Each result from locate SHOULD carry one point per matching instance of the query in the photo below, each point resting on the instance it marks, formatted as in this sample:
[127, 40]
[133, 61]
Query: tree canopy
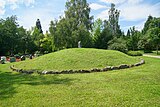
[78, 25]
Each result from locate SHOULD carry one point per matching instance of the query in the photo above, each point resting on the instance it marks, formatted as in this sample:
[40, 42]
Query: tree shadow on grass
[10, 81]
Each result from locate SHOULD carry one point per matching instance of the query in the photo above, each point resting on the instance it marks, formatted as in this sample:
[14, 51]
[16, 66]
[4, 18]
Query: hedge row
[135, 53]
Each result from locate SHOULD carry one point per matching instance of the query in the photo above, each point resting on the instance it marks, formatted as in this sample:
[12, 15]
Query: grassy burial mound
[77, 59]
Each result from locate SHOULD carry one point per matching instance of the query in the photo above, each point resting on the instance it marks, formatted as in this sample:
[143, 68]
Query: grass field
[138, 86]
[77, 59]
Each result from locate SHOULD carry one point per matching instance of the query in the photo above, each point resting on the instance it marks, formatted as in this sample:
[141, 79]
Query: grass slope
[78, 59]
[135, 87]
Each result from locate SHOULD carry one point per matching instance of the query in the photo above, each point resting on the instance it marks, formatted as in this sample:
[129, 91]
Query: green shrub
[135, 53]
[148, 51]
[118, 46]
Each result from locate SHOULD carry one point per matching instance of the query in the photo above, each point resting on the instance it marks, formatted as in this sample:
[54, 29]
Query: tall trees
[23, 39]
[74, 27]
[78, 11]
[1, 37]
[37, 35]
[147, 24]
[77, 25]
[107, 30]
[78, 21]
[52, 30]
[9, 35]
[96, 31]
[155, 37]
[10, 26]
[133, 38]
[113, 21]
[46, 43]
[151, 34]
[101, 40]
[14, 39]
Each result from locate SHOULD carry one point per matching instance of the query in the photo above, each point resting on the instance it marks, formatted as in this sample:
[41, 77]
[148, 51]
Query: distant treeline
[77, 25]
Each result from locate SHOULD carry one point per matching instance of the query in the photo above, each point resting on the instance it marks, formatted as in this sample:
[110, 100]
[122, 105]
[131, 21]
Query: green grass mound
[77, 59]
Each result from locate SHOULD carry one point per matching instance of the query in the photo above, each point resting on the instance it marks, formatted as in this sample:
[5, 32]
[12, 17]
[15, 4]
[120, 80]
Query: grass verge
[138, 86]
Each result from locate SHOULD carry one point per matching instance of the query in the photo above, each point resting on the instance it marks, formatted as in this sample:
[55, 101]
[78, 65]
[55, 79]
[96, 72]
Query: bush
[148, 51]
[135, 53]
[118, 46]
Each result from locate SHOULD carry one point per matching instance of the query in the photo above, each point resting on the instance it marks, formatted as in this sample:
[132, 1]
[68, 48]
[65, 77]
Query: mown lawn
[138, 86]
[77, 59]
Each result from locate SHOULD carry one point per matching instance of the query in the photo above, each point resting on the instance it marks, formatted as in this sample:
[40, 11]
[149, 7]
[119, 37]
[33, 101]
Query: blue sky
[133, 12]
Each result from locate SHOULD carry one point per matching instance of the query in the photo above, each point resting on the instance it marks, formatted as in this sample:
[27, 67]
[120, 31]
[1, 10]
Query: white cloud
[134, 1]
[138, 27]
[45, 13]
[13, 1]
[103, 15]
[2, 3]
[29, 17]
[2, 6]
[96, 6]
[14, 4]
[28, 2]
[2, 11]
[121, 1]
[138, 11]
[132, 10]
[113, 1]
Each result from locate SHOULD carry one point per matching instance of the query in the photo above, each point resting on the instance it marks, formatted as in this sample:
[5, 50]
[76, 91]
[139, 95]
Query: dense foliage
[135, 53]
[77, 25]
[13, 38]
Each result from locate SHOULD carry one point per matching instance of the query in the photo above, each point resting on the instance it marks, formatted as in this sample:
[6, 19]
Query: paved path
[151, 56]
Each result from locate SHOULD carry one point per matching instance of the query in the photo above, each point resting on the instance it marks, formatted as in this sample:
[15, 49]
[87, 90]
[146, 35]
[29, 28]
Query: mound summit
[76, 59]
